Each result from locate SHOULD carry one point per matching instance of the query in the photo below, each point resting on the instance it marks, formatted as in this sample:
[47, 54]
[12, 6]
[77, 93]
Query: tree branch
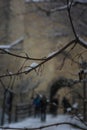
[50, 125]
[44, 61]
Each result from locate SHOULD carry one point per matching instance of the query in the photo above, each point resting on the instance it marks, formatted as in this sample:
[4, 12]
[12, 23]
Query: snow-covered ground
[36, 123]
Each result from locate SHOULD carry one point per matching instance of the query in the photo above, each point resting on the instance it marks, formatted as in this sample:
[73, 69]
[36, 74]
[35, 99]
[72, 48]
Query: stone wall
[43, 35]
[4, 20]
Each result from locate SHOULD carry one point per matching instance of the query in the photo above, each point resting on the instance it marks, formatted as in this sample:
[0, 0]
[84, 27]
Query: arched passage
[59, 84]
[59, 89]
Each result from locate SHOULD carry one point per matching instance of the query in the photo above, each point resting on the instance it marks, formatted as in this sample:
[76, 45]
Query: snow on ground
[36, 123]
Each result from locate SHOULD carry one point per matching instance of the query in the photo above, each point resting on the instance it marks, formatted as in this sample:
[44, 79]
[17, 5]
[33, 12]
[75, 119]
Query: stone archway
[61, 88]
[59, 84]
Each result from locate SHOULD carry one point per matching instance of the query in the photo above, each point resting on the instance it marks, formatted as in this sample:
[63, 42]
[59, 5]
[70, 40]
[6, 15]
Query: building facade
[43, 34]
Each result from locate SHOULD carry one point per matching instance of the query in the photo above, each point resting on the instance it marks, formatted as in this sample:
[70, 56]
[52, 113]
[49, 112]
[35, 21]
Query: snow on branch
[33, 65]
[64, 7]
[9, 46]
[81, 1]
[82, 42]
[61, 7]
[51, 54]
[70, 3]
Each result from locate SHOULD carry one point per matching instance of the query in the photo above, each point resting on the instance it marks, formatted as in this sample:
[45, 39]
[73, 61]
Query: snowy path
[36, 123]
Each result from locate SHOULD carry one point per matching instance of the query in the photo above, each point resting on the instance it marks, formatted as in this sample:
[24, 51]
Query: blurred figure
[9, 100]
[75, 108]
[37, 104]
[66, 105]
[54, 105]
[43, 108]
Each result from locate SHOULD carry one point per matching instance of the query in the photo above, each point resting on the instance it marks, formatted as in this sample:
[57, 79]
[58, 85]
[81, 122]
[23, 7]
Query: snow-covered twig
[82, 42]
[9, 46]
[60, 8]
[43, 61]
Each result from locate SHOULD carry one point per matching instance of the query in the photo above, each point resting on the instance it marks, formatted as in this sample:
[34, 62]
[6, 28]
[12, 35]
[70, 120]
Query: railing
[22, 111]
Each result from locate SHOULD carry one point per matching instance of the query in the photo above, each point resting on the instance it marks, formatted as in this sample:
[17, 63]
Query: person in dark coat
[54, 105]
[9, 100]
[36, 103]
[66, 104]
[43, 108]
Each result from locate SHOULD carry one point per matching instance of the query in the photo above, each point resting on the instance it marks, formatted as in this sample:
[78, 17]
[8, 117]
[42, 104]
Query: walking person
[43, 108]
[66, 105]
[54, 105]
[36, 104]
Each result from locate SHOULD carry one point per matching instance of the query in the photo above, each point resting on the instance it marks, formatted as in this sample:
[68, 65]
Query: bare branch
[22, 57]
[82, 42]
[10, 46]
[44, 61]
[70, 18]
[50, 125]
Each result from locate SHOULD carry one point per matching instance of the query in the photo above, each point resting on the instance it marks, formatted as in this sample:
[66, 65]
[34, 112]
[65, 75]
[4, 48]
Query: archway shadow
[58, 84]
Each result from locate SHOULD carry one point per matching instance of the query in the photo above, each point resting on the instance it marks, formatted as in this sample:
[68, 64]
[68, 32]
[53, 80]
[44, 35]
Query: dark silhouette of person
[54, 105]
[43, 108]
[66, 104]
[8, 103]
[9, 99]
[37, 103]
